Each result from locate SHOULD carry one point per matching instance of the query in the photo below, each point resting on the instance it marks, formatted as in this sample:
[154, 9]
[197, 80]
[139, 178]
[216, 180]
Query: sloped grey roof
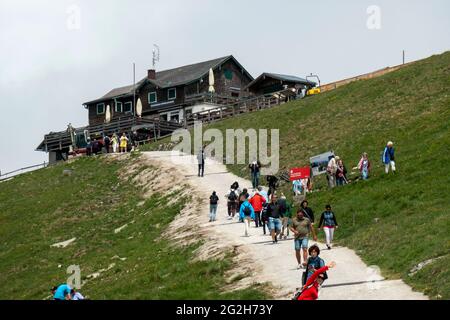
[282, 77]
[172, 77]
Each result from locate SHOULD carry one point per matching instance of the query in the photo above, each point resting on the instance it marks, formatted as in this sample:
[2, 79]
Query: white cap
[390, 143]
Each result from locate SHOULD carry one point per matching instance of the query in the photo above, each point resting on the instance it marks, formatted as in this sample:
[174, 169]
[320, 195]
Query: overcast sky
[55, 55]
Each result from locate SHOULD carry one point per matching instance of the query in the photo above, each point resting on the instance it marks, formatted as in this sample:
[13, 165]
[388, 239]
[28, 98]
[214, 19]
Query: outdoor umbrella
[108, 114]
[211, 81]
[139, 108]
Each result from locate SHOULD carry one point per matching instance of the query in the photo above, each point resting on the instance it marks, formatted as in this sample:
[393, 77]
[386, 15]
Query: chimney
[151, 74]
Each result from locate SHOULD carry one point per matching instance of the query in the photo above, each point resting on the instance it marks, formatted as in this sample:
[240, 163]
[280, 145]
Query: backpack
[247, 211]
[232, 196]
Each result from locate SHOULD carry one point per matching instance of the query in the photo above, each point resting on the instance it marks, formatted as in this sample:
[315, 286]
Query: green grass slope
[410, 107]
[44, 207]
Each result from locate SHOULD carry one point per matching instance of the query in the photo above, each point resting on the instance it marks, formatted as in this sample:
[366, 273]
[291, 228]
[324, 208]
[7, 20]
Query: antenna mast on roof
[155, 55]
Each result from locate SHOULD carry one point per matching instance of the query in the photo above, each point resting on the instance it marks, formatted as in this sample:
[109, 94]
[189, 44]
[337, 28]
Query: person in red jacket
[257, 202]
[311, 288]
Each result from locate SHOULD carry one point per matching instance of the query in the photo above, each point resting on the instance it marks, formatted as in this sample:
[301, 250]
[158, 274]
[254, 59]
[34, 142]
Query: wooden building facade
[171, 94]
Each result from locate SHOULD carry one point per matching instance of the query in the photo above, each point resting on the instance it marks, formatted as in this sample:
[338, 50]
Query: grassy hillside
[45, 207]
[410, 107]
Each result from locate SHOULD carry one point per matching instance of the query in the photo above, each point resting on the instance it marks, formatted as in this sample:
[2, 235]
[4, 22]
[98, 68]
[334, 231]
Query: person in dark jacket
[107, 142]
[307, 211]
[213, 202]
[201, 162]
[388, 157]
[272, 181]
[341, 173]
[254, 169]
[329, 222]
[273, 212]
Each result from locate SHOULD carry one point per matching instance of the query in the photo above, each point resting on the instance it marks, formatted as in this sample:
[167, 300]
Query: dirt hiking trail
[265, 262]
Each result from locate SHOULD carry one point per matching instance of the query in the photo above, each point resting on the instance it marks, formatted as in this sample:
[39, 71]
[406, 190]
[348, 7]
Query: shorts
[274, 224]
[301, 243]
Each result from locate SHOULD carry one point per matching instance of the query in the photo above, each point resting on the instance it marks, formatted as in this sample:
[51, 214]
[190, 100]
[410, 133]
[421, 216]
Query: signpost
[299, 173]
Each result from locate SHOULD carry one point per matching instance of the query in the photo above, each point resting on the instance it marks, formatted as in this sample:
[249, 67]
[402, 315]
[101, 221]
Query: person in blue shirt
[62, 292]
[247, 214]
[388, 157]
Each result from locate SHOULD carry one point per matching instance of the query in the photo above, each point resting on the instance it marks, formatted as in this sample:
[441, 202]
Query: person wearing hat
[388, 157]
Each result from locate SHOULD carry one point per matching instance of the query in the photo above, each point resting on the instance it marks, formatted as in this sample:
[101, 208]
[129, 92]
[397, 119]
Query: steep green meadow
[44, 207]
[394, 222]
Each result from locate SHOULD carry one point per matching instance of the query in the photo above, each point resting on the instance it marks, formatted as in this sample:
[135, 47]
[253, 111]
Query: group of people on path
[275, 214]
[337, 172]
[113, 143]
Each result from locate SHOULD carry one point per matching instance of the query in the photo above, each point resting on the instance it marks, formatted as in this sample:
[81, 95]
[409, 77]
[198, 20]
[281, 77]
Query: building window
[119, 106]
[172, 94]
[228, 74]
[152, 97]
[163, 116]
[127, 107]
[100, 108]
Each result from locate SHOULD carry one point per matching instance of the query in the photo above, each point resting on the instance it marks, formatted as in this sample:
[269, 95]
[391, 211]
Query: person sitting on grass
[76, 295]
[62, 292]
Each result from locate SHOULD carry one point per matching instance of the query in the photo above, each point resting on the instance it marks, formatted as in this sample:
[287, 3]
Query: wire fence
[11, 174]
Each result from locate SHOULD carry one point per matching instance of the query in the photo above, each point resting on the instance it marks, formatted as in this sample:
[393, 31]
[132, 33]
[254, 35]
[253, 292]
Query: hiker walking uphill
[307, 211]
[201, 162]
[273, 212]
[272, 181]
[388, 157]
[286, 216]
[255, 172]
[302, 228]
[310, 290]
[232, 203]
[247, 214]
[364, 166]
[242, 197]
[329, 222]
[213, 202]
[257, 202]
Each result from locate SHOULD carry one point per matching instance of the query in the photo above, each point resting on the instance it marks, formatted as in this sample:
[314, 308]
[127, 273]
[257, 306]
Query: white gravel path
[351, 279]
